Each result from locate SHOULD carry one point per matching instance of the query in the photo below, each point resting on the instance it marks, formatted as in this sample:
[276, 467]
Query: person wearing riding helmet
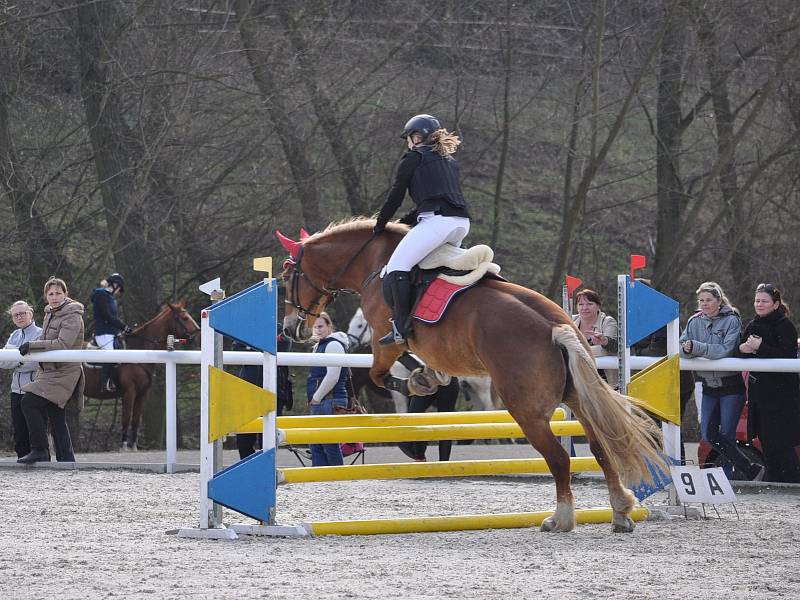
[430, 175]
[107, 324]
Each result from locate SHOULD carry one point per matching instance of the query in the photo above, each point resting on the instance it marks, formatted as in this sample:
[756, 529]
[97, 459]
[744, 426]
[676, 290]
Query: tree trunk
[504, 134]
[274, 102]
[669, 139]
[39, 246]
[574, 220]
[117, 159]
[327, 114]
[737, 226]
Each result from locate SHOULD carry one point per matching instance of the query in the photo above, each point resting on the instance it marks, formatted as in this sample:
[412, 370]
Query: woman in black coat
[774, 398]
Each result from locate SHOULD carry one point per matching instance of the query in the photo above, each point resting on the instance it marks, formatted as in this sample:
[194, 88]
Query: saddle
[445, 273]
[92, 345]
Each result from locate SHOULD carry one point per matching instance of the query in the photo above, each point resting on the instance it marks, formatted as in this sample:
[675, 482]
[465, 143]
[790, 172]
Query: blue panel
[645, 489]
[250, 316]
[248, 487]
[648, 310]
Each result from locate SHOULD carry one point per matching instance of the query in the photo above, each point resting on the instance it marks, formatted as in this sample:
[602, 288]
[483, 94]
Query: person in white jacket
[327, 387]
[21, 314]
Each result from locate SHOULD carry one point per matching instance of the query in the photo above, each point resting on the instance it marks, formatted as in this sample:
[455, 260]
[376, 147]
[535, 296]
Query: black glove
[24, 348]
[127, 330]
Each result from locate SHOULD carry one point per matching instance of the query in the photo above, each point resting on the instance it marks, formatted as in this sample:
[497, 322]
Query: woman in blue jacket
[107, 324]
[327, 387]
[713, 332]
[27, 331]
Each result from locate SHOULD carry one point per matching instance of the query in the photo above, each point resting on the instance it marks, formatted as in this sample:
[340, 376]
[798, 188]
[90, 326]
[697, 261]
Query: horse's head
[182, 325]
[359, 331]
[321, 266]
[303, 297]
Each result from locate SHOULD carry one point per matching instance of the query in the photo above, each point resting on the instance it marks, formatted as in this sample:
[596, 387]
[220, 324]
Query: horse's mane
[355, 224]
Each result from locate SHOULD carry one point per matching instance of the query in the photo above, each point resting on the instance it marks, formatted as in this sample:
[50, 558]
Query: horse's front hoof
[623, 524]
[551, 525]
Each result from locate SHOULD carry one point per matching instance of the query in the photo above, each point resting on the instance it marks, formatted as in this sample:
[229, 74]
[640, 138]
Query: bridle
[327, 292]
[357, 341]
[185, 332]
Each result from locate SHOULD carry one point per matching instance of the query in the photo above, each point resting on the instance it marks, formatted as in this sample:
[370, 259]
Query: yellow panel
[657, 389]
[233, 402]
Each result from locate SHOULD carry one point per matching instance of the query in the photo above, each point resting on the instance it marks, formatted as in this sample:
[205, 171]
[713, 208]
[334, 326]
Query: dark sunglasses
[769, 289]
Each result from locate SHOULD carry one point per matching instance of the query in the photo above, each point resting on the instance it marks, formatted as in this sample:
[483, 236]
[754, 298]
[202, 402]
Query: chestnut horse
[526, 343]
[134, 380]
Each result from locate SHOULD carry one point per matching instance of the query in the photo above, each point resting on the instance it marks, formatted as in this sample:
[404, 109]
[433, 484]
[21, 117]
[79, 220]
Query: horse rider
[430, 174]
[107, 324]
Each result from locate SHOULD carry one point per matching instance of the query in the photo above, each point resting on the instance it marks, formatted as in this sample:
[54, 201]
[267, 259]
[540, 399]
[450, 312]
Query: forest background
[167, 139]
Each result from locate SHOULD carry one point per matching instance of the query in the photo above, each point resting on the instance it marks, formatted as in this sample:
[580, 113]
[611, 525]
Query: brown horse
[526, 343]
[134, 380]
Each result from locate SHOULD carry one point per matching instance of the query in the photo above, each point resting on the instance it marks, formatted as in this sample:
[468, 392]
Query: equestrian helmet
[116, 279]
[422, 124]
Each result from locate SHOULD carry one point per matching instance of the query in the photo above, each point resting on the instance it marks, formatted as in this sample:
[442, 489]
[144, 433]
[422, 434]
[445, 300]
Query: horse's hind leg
[541, 437]
[622, 500]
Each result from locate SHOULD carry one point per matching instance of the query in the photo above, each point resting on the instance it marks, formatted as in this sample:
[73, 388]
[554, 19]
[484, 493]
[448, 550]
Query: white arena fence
[301, 359]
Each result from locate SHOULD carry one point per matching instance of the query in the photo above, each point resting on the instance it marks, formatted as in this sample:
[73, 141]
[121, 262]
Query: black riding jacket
[432, 181]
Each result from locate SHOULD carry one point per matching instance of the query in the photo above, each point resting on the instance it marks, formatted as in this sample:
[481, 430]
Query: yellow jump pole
[455, 468]
[419, 433]
[388, 420]
[457, 522]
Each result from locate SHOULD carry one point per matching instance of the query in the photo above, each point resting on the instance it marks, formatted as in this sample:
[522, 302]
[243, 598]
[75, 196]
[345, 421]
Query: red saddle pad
[432, 306]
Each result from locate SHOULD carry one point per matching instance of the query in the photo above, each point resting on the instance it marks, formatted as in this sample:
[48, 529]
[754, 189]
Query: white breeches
[430, 232]
[105, 341]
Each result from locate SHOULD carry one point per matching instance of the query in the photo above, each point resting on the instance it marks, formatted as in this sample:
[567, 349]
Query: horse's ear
[291, 246]
[303, 234]
[180, 303]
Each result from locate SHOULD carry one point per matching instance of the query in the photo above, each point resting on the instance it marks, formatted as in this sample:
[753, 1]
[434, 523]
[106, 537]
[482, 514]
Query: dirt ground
[89, 534]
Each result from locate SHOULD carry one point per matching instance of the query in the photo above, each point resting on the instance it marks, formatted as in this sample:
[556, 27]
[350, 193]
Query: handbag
[354, 406]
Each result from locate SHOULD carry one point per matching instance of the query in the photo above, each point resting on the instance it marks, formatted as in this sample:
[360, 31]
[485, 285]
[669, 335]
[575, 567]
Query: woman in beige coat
[55, 383]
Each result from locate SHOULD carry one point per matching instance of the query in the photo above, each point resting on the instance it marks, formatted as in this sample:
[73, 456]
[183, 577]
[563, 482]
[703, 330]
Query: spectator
[327, 387]
[713, 333]
[54, 384]
[774, 407]
[22, 315]
[107, 325]
[246, 442]
[599, 329]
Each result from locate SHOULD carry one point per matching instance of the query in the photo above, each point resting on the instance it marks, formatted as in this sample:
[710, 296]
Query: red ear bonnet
[291, 246]
[303, 234]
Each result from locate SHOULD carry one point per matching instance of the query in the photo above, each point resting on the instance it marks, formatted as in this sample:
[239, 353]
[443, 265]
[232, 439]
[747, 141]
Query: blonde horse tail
[627, 435]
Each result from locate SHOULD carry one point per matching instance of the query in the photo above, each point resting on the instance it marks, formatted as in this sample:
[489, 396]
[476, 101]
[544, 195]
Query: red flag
[573, 283]
[637, 262]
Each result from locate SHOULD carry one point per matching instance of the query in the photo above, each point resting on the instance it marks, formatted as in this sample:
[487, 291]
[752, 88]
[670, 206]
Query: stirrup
[109, 386]
[393, 337]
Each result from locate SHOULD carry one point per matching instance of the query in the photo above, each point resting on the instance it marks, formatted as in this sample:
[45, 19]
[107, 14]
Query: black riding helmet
[422, 124]
[116, 279]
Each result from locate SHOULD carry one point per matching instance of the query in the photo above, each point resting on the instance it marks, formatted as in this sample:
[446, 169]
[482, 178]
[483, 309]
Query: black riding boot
[397, 293]
[107, 378]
